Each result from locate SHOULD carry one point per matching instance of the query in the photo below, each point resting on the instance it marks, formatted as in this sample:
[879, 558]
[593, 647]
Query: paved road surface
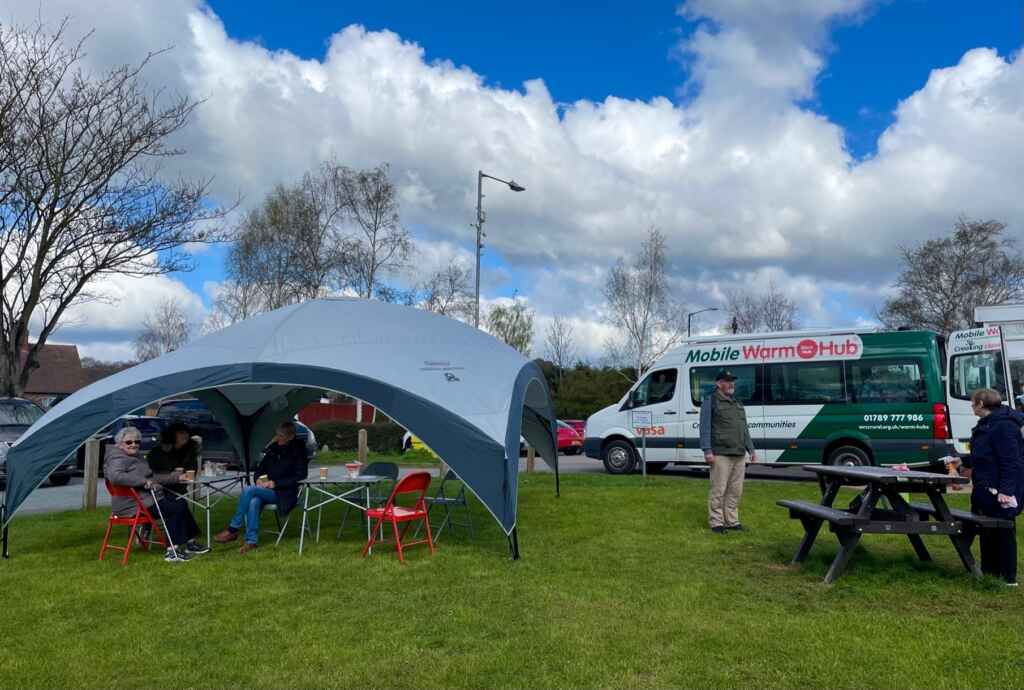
[51, 499]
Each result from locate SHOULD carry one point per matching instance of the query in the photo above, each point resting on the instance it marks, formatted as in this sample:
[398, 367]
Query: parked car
[217, 446]
[16, 416]
[569, 440]
[579, 425]
[149, 428]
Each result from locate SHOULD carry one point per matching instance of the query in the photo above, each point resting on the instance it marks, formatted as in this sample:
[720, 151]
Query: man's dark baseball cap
[724, 375]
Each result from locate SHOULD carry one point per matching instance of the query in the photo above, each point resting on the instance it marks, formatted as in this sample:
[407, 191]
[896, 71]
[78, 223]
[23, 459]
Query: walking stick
[163, 522]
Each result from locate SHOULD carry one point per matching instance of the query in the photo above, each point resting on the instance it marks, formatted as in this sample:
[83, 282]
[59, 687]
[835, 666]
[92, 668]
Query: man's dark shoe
[195, 548]
[246, 548]
[738, 527]
[225, 536]
[718, 530]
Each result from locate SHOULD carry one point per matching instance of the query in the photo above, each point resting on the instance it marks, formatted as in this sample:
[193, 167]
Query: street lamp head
[516, 187]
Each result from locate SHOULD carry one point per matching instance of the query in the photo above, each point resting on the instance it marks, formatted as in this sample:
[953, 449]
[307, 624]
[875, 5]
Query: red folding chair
[141, 517]
[415, 483]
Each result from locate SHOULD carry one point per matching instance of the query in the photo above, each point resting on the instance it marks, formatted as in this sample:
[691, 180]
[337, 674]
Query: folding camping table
[865, 516]
[202, 489]
[332, 490]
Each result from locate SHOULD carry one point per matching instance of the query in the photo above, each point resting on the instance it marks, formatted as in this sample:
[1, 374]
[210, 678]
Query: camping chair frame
[377, 498]
[141, 518]
[442, 499]
[414, 483]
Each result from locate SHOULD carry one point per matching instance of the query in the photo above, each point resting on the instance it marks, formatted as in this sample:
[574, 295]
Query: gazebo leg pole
[513, 544]
[3, 521]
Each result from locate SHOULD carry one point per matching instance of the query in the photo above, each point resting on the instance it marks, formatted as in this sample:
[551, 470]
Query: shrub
[381, 438]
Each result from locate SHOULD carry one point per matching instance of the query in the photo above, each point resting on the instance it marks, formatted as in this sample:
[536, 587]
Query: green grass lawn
[410, 458]
[620, 585]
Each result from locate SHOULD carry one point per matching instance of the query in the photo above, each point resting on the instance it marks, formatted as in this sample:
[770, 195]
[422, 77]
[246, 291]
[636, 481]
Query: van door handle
[669, 412]
[692, 412]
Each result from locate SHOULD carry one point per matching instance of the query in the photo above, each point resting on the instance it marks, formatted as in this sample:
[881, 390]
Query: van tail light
[940, 421]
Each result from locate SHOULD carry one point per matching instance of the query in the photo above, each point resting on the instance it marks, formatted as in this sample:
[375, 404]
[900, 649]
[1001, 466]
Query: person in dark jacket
[124, 467]
[996, 462]
[283, 466]
[176, 449]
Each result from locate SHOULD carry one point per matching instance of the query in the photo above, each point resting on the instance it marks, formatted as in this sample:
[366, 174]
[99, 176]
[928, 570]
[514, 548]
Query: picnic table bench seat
[816, 510]
[926, 510]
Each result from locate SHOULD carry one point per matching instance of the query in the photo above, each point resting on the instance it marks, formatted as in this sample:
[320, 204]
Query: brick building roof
[59, 371]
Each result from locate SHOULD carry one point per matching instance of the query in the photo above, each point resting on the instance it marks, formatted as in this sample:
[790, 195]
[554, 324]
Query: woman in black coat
[996, 461]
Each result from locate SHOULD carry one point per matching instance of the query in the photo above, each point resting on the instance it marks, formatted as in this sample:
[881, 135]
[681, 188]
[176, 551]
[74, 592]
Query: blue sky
[592, 50]
[629, 50]
[746, 130]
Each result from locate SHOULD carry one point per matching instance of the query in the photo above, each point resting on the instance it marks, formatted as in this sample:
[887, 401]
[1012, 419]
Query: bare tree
[560, 344]
[163, 331]
[640, 306]
[944, 279]
[512, 324]
[81, 195]
[379, 244]
[232, 302]
[767, 310]
[449, 292]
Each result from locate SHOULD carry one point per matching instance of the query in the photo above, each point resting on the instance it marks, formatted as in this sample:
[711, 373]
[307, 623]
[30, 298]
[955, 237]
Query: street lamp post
[694, 313]
[479, 225]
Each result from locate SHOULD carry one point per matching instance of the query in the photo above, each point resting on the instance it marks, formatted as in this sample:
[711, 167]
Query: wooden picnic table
[867, 515]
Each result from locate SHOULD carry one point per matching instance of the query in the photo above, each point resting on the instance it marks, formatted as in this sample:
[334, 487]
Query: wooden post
[92, 470]
[531, 456]
[363, 451]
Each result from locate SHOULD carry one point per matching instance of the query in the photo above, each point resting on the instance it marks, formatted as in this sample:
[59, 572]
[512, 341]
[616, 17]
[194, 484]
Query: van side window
[702, 383]
[886, 381]
[805, 383]
[658, 387]
[976, 370]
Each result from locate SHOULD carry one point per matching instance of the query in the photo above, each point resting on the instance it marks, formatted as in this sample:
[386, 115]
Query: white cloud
[745, 181]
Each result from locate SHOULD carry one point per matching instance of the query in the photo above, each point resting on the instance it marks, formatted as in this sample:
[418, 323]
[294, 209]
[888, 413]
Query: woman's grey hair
[989, 398]
[125, 432]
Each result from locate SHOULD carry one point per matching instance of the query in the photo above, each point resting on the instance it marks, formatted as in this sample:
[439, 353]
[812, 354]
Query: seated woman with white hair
[125, 466]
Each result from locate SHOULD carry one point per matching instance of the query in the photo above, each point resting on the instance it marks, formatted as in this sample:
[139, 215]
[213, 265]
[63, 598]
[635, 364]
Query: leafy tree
[512, 324]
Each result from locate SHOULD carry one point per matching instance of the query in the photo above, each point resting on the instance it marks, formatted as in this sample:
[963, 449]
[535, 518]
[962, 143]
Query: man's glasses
[129, 442]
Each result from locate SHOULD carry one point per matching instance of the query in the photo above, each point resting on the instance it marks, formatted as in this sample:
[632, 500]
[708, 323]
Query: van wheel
[60, 480]
[619, 458]
[848, 456]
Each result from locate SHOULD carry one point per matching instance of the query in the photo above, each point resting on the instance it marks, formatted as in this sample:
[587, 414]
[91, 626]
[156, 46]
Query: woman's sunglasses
[129, 442]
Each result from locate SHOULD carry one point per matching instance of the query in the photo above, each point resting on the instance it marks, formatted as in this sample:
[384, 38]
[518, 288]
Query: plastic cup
[190, 476]
[323, 473]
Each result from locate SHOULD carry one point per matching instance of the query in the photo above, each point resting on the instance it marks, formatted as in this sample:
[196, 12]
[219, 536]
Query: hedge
[381, 438]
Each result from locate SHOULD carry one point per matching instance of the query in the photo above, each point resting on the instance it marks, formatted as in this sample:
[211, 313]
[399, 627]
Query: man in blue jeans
[278, 476]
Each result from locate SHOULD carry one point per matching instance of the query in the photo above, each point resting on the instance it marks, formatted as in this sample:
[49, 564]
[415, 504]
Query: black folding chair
[380, 491]
[443, 500]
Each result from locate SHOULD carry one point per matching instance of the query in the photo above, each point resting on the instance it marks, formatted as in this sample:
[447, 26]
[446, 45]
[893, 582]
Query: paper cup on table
[353, 469]
[323, 473]
[190, 476]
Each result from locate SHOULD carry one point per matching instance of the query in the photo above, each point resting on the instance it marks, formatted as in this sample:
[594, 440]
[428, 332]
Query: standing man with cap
[725, 440]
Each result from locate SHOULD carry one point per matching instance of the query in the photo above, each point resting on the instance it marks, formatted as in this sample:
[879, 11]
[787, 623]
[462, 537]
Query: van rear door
[975, 358]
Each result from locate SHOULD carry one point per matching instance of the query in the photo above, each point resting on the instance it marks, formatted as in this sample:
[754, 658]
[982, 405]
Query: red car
[570, 442]
[579, 425]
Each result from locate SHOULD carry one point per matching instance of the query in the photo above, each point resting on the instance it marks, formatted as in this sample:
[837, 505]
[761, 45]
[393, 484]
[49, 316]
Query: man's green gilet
[728, 426]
